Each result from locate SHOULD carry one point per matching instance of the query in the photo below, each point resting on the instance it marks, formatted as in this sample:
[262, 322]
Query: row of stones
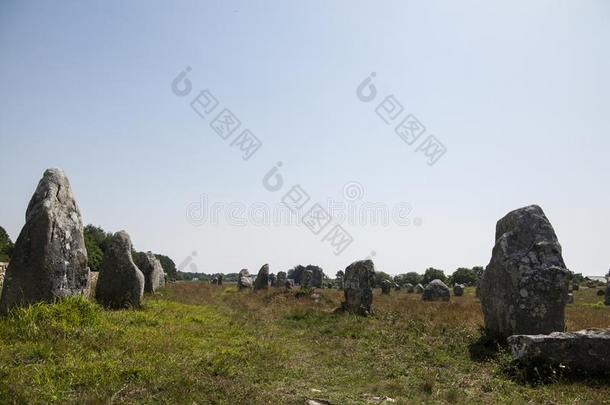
[49, 260]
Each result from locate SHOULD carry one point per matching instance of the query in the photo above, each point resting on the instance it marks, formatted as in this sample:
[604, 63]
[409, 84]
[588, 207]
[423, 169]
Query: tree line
[97, 240]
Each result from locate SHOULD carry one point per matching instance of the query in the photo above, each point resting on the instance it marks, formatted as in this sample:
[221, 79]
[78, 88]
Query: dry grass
[196, 343]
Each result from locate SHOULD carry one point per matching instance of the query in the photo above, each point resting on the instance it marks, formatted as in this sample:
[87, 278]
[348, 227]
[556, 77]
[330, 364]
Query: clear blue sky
[517, 92]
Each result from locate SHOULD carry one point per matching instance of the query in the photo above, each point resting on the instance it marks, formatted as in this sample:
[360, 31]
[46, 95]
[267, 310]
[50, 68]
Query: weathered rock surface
[280, 279]
[317, 274]
[307, 279]
[262, 279]
[607, 297]
[358, 283]
[458, 290]
[436, 290]
[289, 283]
[524, 289]
[272, 280]
[419, 288]
[150, 266]
[587, 350]
[386, 286]
[244, 280]
[49, 259]
[120, 283]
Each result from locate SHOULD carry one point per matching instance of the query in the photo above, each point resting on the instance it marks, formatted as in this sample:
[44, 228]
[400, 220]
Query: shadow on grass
[483, 349]
[536, 374]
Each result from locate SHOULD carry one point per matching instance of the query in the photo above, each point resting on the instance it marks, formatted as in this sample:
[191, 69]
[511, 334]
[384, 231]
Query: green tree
[433, 274]
[6, 246]
[464, 276]
[380, 276]
[408, 278]
[168, 265]
[96, 241]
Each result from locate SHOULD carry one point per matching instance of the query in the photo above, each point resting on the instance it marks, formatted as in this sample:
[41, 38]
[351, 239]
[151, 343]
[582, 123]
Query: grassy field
[196, 343]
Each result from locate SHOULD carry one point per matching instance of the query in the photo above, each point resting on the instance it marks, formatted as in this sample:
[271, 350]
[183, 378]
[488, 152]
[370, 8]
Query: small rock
[244, 281]
[150, 266]
[458, 290]
[436, 290]
[386, 287]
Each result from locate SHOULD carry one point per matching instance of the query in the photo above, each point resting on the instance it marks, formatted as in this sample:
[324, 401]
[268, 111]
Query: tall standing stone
[316, 276]
[244, 281]
[607, 297]
[280, 279]
[120, 283]
[262, 279]
[358, 283]
[524, 288]
[49, 259]
[154, 276]
[307, 279]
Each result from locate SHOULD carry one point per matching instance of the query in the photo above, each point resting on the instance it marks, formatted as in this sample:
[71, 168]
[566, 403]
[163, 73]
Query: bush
[433, 274]
[464, 276]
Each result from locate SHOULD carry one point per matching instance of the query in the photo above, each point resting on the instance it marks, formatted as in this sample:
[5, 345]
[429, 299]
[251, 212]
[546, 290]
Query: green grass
[195, 343]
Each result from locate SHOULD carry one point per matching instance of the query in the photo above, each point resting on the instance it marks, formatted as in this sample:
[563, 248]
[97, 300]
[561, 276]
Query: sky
[515, 95]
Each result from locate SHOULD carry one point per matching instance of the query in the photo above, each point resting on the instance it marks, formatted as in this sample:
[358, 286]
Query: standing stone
[280, 279]
[524, 288]
[316, 276]
[607, 297]
[150, 266]
[244, 280]
[458, 290]
[358, 283]
[570, 298]
[601, 292]
[262, 279]
[289, 284]
[307, 279]
[386, 286]
[436, 290]
[575, 287]
[409, 287]
[419, 288]
[49, 259]
[220, 279]
[120, 283]
[273, 280]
